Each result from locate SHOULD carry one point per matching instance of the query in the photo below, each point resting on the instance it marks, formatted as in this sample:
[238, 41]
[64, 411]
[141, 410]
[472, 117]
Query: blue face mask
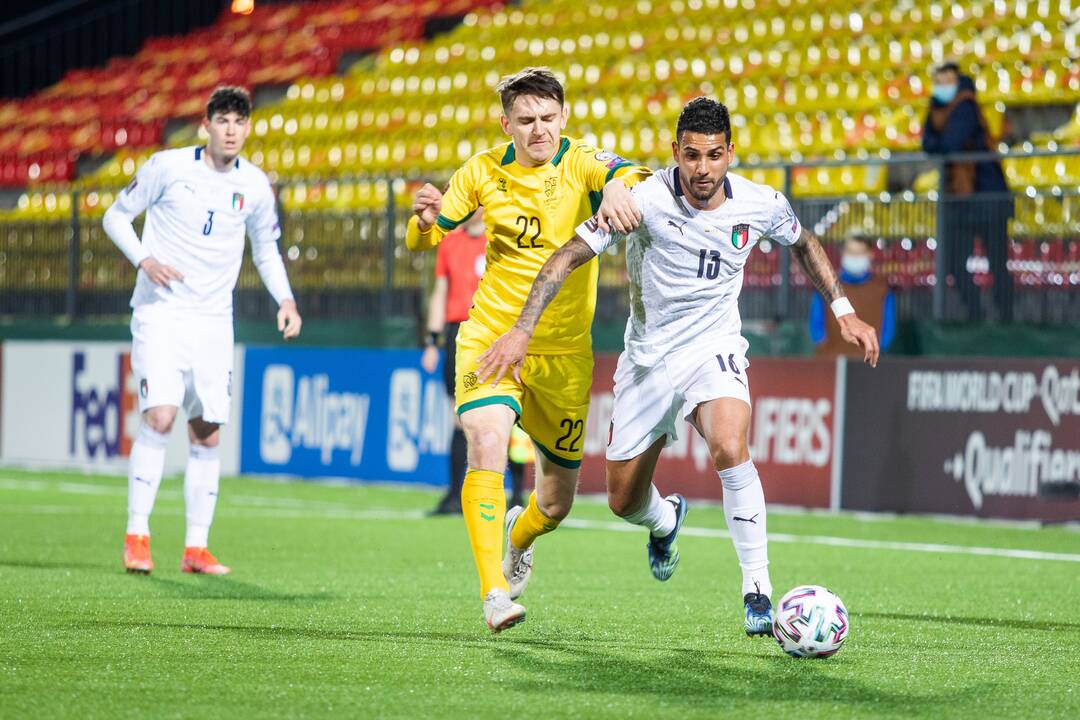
[944, 93]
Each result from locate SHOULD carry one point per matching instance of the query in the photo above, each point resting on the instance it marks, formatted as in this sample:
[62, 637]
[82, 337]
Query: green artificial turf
[345, 601]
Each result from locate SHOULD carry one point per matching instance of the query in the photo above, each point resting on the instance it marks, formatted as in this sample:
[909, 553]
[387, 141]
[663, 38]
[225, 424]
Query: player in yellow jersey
[535, 190]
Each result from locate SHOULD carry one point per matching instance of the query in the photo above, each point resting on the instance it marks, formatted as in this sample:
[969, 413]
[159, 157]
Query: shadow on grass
[696, 678]
[218, 588]
[687, 677]
[194, 588]
[1047, 625]
[51, 565]
[426, 637]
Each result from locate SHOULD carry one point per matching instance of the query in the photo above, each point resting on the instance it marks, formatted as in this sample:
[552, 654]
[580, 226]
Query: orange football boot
[137, 554]
[200, 560]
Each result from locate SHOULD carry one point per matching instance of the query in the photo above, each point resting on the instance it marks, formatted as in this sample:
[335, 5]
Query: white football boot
[501, 612]
[517, 564]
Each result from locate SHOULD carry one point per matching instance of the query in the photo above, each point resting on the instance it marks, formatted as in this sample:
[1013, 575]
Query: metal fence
[1005, 257]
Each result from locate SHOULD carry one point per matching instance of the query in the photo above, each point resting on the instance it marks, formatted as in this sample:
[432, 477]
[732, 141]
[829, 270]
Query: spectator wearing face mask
[955, 124]
[869, 294]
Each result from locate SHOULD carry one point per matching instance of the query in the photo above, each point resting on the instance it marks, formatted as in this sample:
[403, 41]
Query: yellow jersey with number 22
[528, 214]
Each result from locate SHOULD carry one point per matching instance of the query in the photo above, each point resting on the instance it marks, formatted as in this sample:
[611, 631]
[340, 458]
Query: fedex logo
[104, 413]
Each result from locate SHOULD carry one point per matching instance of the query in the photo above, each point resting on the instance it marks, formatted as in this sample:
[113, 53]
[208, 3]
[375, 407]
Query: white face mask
[855, 264]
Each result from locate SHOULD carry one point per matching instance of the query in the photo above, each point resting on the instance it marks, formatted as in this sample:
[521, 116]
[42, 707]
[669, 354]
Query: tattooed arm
[508, 351]
[815, 263]
[549, 280]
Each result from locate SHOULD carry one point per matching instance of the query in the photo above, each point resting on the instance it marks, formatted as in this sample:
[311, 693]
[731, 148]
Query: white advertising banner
[75, 405]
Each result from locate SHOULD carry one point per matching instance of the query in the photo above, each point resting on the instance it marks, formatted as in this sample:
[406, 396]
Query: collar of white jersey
[678, 184]
[199, 151]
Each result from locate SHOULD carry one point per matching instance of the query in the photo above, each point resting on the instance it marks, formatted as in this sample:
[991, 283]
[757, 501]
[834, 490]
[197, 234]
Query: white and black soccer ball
[810, 621]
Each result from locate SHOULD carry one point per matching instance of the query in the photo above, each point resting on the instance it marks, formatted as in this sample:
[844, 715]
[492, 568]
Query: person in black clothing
[955, 124]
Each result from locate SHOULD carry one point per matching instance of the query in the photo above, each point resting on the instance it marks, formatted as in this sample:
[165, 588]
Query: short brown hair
[227, 99]
[535, 81]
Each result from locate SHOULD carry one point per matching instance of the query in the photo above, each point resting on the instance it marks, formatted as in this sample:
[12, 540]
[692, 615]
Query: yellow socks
[530, 525]
[483, 502]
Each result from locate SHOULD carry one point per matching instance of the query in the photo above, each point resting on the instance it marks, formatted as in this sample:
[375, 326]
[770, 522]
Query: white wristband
[841, 307]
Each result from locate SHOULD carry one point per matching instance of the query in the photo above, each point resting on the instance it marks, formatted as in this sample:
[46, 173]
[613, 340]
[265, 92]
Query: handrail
[887, 158]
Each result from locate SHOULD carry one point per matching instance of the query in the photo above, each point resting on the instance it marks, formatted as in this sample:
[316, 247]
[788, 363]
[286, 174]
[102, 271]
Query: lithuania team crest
[237, 201]
[740, 235]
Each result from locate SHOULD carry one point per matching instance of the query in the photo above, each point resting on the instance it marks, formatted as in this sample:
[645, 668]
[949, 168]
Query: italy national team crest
[740, 235]
[237, 201]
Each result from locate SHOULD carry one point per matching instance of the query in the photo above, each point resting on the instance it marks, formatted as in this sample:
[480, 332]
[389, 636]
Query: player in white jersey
[199, 203]
[684, 355]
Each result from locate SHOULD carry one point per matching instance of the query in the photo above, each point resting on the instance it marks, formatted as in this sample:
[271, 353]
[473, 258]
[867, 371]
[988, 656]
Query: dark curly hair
[227, 99]
[704, 115]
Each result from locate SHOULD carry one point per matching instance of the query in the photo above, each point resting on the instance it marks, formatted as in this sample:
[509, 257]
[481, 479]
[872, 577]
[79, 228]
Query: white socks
[744, 510]
[658, 515]
[200, 493]
[200, 485]
[145, 468]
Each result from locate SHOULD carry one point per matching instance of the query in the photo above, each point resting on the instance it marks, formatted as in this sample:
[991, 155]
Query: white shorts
[650, 401]
[184, 362]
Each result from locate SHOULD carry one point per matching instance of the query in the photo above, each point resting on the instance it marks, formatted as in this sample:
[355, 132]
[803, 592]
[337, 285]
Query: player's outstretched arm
[815, 263]
[509, 350]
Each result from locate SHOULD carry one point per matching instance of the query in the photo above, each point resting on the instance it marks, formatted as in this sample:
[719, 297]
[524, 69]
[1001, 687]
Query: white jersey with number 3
[196, 220]
[686, 265]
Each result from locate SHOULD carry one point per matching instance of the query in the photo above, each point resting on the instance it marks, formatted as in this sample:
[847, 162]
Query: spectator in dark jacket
[955, 124]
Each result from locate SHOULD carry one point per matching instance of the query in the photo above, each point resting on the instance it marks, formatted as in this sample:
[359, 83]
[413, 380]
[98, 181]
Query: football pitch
[347, 601]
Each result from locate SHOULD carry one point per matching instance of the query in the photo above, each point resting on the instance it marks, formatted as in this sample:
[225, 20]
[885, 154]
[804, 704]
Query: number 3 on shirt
[209, 222]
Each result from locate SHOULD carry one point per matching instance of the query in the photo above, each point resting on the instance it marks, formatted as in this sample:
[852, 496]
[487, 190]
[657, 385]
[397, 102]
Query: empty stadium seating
[803, 79]
[126, 103]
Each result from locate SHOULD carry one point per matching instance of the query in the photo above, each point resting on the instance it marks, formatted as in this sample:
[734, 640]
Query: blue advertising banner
[364, 414]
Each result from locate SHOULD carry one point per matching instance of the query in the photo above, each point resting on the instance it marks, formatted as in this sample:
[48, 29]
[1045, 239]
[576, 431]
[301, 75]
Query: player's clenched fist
[427, 205]
[160, 273]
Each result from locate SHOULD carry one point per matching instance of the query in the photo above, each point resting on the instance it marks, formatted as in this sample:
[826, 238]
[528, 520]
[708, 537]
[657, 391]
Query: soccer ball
[810, 621]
